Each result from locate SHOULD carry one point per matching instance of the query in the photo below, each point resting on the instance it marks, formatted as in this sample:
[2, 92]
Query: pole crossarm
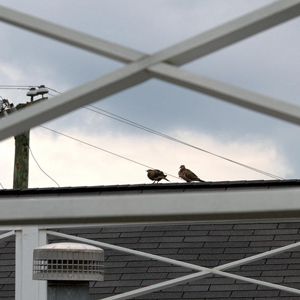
[141, 67]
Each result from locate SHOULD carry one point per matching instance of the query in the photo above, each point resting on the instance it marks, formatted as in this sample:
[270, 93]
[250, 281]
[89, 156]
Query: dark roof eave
[155, 188]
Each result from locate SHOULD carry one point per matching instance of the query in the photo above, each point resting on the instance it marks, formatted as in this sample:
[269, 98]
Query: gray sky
[267, 63]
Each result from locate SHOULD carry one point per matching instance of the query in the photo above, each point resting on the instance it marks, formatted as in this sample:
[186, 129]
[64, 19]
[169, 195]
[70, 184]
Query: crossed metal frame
[140, 67]
[163, 65]
[24, 288]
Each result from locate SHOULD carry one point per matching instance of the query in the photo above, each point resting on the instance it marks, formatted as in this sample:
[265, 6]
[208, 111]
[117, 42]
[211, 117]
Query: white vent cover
[68, 261]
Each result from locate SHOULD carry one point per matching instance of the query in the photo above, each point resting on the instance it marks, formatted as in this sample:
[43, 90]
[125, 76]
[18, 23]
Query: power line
[142, 127]
[1, 185]
[96, 147]
[53, 90]
[137, 125]
[41, 168]
[13, 88]
[17, 86]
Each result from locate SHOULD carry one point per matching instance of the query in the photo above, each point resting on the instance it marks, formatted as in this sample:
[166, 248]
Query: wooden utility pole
[21, 165]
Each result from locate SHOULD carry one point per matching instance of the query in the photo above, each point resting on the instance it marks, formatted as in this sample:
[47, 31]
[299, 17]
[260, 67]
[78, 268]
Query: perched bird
[156, 175]
[188, 175]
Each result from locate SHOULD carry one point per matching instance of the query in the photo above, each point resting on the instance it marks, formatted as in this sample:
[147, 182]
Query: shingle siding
[202, 244]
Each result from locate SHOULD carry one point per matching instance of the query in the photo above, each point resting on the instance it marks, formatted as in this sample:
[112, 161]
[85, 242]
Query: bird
[156, 175]
[188, 175]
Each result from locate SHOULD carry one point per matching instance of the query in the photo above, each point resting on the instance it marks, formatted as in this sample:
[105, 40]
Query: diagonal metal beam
[257, 282]
[7, 235]
[259, 256]
[129, 251]
[159, 286]
[181, 53]
[127, 76]
[69, 36]
[204, 271]
[227, 92]
[92, 91]
[231, 32]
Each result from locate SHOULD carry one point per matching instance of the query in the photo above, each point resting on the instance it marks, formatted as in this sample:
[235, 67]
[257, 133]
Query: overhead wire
[142, 127]
[13, 88]
[16, 86]
[104, 150]
[137, 125]
[41, 168]
[78, 140]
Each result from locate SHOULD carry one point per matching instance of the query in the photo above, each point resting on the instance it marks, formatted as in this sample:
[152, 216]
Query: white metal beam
[7, 235]
[204, 271]
[134, 73]
[68, 35]
[257, 282]
[183, 52]
[259, 256]
[92, 91]
[159, 286]
[204, 206]
[232, 94]
[27, 240]
[231, 32]
[129, 251]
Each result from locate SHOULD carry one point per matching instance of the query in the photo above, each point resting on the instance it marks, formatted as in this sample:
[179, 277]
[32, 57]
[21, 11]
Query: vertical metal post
[26, 240]
[21, 165]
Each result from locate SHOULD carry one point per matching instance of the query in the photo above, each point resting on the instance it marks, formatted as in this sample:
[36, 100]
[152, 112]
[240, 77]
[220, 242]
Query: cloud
[12, 73]
[74, 164]
[265, 63]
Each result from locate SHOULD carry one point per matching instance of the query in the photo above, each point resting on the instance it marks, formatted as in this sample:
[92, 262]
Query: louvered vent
[68, 261]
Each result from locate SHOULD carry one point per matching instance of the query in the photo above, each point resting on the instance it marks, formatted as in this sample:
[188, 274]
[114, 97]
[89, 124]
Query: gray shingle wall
[7, 270]
[207, 245]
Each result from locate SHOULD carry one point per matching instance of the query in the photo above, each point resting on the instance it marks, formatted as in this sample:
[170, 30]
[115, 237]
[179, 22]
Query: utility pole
[21, 163]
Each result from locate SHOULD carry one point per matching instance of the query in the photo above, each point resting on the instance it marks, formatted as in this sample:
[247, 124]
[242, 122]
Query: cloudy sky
[266, 63]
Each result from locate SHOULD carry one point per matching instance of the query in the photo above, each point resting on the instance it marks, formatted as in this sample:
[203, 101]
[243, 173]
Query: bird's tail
[165, 177]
